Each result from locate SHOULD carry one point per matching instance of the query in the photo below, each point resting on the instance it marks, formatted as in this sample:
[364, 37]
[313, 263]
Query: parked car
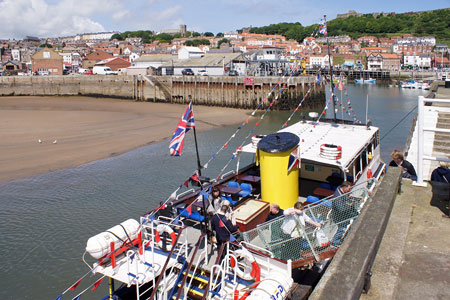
[88, 72]
[66, 72]
[103, 71]
[187, 72]
[233, 73]
[202, 73]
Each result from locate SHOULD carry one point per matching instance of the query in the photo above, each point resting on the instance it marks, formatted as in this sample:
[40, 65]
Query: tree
[219, 34]
[223, 41]
[117, 36]
[46, 45]
[195, 34]
[208, 33]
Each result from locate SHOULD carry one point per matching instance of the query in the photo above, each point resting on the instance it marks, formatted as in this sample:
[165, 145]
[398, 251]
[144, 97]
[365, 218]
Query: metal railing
[420, 137]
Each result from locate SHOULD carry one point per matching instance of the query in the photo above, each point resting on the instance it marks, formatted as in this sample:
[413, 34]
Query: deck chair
[246, 190]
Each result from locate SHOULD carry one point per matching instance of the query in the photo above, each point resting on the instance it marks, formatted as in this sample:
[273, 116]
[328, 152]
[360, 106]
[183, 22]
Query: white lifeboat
[330, 151]
[100, 245]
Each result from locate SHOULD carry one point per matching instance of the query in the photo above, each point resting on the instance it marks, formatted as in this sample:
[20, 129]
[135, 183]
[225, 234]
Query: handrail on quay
[420, 139]
[348, 275]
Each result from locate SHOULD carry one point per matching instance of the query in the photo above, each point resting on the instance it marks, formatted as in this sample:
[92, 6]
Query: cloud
[38, 18]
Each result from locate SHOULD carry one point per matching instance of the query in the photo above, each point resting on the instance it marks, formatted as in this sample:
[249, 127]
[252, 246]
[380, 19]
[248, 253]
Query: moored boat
[365, 81]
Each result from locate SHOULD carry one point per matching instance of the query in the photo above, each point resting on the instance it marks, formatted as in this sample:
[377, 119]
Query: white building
[319, 61]
[15, 53]
[190, 52]
[421, 60]
[67, 58]
[98, 35]
[269, 53]
[231, 35]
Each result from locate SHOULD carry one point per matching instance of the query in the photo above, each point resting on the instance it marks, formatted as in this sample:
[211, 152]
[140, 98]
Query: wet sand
[77, 130]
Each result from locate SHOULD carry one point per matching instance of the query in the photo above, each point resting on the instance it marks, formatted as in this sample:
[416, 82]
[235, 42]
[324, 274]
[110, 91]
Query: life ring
[253, 273]
[330, 151]
[160, 229]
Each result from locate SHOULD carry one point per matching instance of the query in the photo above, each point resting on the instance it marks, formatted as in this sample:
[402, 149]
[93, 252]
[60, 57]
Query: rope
[398, 123]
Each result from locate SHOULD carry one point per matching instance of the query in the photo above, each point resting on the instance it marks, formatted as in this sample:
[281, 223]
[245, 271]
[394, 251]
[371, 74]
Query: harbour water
[45, 220]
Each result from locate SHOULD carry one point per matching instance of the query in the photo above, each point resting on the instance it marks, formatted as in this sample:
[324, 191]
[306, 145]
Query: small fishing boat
[366, 81]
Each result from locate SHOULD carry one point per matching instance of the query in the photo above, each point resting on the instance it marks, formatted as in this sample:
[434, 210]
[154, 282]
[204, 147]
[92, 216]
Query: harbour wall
[348, 275]
[238, 92]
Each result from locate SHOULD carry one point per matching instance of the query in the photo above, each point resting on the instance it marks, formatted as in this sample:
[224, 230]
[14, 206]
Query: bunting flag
[189, 209]
[195, 177]
[232, 238]
[59, 297]
[221, 223]
[97, 283]
[75, 285]
[77, 298]
[293, 159]
[186, 183]
[318, 78]
[341, 85]
[186, 123]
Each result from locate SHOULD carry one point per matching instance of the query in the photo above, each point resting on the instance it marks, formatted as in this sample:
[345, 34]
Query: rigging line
[398, 123]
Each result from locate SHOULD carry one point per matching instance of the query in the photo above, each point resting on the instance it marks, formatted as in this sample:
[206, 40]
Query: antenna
[331, 71]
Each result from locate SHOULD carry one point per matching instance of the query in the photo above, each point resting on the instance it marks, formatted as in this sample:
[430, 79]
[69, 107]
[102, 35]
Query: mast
[331, 71]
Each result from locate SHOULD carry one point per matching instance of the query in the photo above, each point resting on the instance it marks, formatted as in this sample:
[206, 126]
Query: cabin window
[309, 168]
[357, 164]
[364, 159]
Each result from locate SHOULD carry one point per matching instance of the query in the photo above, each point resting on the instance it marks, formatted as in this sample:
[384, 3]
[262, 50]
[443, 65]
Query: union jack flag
[186, 123]
[293, 159]
[323, 30]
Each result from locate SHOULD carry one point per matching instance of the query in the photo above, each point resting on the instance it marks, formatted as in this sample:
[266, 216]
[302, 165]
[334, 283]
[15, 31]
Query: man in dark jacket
[275, 212]
[441, 173]
[398, 160]
[223, 226]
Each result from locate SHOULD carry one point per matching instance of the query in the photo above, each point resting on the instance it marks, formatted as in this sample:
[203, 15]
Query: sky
[57, 18]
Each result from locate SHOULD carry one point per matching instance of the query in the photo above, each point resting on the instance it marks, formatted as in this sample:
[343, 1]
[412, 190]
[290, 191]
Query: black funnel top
[278, 142]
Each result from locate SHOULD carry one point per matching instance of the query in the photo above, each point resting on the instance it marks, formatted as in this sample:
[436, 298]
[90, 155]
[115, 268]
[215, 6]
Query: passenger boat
[366, 81]
[168, 255]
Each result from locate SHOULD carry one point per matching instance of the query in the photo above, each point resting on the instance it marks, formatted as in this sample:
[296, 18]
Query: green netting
[290, 238]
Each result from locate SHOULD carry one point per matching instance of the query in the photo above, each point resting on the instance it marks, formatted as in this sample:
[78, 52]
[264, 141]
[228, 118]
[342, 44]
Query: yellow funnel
[278, 185]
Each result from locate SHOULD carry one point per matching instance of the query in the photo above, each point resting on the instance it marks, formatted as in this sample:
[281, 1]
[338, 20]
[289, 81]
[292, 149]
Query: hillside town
[232, 53]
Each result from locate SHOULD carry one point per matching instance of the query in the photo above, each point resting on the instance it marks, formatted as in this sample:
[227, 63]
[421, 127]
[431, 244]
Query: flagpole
[331, 70]
[198, 156]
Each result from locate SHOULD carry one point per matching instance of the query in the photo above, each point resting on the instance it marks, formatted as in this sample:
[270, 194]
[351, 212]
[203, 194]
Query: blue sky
[51, 18]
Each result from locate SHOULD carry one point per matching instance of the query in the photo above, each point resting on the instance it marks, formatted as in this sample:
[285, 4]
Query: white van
[103, 71]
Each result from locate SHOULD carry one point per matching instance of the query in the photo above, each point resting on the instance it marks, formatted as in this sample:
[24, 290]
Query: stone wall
[203, 90]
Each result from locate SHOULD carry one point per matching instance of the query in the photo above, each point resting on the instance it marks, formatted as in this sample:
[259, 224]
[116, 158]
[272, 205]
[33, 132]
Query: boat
[168, 255]
[365, 81]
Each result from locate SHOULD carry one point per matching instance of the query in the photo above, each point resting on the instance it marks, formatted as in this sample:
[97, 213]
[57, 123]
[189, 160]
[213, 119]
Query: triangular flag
[195, 177]
[232, 238]
[96, 284]
[75, 285]
[225, 146]
[189, 209]
[221, 223]
[176, 221]
[186, 183]
[77, 298]
[59, 297]
[163, 206]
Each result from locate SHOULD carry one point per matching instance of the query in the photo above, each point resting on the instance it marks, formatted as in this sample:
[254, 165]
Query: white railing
[420, 137]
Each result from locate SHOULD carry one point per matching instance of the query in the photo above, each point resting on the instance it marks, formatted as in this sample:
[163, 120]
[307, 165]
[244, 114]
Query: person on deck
[440, 182]
[441, 173]
[216, 202]
[398, 160]
[275, 212]
[223, 226]
[296, 213]
[343, 209]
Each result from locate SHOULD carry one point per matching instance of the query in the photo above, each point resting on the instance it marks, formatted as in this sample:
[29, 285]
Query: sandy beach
[77, 130]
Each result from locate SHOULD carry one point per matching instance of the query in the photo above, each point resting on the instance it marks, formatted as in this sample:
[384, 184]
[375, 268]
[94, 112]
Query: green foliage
[208, 33]
[222, 41]
[117, 36]
[145, 35]
[188, 34]
[163, 38]
[219, 34]
[46, 45]
[195, 34]
[197, 42]
[434, 23]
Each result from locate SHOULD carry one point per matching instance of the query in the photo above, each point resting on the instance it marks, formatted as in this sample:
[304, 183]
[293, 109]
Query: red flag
[189, 209]
[75, 285]
[257, 123]
[221, 223]
[163, 206]
[246, 121]
[225, 146]
[96, 284]
[341, 86]
[195, 178]
[186, 183]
